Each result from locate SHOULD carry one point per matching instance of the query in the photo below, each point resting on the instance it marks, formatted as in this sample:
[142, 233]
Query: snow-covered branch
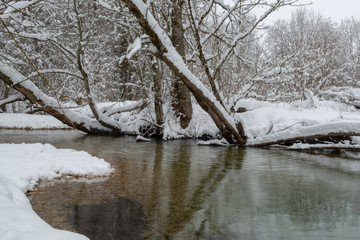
[50, 105]
[124, 107]
[221, 22]
[11, 99]
[327, 130]
[17, 7]
[54, 71]
[46, 37]
[243, 35]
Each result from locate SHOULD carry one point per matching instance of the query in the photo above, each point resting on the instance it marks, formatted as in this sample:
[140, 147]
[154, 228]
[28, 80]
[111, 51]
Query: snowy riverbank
[271, 122]
[263, 121]
[22, 166]
[30, 121]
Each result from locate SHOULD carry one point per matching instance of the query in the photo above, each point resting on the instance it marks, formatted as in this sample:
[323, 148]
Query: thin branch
[12, 99]
[243, 35]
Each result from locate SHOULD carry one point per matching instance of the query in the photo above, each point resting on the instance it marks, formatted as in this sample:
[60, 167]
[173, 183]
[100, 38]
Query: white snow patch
[201, 124]
[142, 139]
[22, 166]
[265, 121]
[213, 142]
[27, 121]
[15, 6]
[305, 146]
[133, 48]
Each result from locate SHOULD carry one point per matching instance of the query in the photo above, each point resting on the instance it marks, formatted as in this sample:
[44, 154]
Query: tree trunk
[165, 51]
[6, 95]
[157, 98]
[181, 95]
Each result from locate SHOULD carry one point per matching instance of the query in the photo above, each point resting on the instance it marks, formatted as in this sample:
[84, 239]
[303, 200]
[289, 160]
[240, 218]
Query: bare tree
[304, 55]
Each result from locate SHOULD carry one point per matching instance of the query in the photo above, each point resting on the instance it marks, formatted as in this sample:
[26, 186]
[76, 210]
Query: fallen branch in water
[332, 132]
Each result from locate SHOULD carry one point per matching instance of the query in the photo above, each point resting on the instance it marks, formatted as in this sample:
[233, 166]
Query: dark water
[177, 190]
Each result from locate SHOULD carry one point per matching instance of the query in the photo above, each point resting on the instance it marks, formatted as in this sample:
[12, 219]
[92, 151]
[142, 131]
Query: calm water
[177, 190]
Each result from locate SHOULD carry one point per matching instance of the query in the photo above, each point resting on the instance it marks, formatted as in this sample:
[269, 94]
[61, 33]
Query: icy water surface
[177, 190]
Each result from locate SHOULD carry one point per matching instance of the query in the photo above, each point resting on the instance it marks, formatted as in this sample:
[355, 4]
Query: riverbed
[178, 190]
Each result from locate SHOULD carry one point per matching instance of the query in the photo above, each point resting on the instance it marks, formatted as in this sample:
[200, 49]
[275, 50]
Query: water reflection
[119, 218]
[177, 190]
[189, 186]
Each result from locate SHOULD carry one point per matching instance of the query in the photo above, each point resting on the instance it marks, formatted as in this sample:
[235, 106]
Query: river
[178, 190]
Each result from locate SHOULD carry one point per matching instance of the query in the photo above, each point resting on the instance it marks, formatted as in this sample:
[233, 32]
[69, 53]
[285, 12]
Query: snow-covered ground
[22, 166]
[30, 121]
[266, 122]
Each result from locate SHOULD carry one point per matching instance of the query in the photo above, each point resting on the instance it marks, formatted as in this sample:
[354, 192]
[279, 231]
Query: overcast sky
[335, 9]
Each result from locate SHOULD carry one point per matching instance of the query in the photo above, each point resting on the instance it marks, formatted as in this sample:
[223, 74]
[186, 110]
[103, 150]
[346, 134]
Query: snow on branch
[36, 36]
[206, 12]
[14, 75]
[276, 75]
[133, 48]
[174, 56]
[124, 107]
[332, 129]
[221, 22]
[109, 7]
[68, 52]
[18, 6]
[242, 35]
[11, 99]
[50, 105]
[54, 71]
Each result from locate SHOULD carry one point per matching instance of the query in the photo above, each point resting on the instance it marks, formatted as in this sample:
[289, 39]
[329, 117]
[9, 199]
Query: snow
[265, 121]
[13, 7]
[130, 122]
[314, 130]
[37, 36]
[306, 146]
[140, 138]
[27, 121]
[213, 142]
[116, 107]
[108, 6]
[133, 48]
[16, 77]
[22, 166]
[201, 124]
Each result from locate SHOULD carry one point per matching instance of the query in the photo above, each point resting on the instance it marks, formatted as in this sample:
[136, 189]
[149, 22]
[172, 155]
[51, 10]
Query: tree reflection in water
[188, 188]
[118, 218]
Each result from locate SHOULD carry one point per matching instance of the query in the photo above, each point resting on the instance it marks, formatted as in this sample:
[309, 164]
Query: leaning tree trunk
[181, 95]
[234, 133]
[17, 81]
